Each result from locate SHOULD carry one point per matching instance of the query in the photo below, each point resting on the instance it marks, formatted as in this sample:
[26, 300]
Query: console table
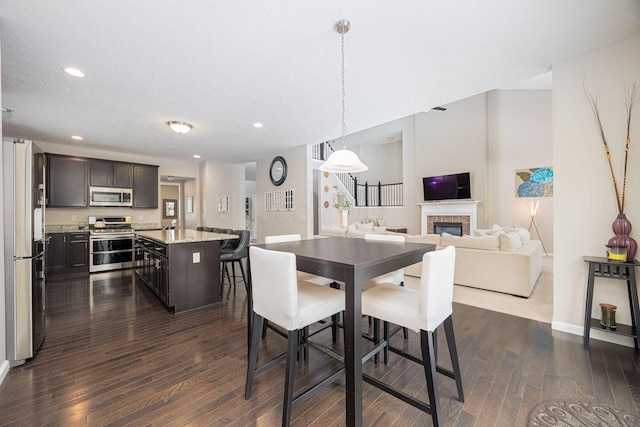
[601, 267]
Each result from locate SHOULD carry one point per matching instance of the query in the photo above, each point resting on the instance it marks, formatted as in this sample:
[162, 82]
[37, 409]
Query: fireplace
[458, 211]
[453, 228]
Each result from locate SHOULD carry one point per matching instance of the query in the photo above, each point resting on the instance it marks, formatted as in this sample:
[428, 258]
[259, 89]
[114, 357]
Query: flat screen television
[446, 187]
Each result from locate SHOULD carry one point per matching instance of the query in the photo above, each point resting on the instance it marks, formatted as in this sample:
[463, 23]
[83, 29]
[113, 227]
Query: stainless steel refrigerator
[24, 204]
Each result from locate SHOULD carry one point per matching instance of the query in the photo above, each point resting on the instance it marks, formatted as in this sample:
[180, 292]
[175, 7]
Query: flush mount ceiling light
[179, 127]
[343, 160]
[74, 72]
[196, 156]
[77, 137]
[257, 125]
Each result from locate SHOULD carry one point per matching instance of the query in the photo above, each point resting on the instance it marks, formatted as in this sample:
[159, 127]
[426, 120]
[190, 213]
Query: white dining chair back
[282, 238]
[395, 277]
[436, 287]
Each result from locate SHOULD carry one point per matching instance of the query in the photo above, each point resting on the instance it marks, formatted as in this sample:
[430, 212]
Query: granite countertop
[184, 236]
[65, 228]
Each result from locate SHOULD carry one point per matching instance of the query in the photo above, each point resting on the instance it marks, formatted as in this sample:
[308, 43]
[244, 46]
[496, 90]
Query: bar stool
[395, 278]
[307, 277]
[420, 310]
[292, 305]
[235, 253]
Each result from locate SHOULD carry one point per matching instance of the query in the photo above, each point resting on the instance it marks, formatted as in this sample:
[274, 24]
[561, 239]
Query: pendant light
[343, 160]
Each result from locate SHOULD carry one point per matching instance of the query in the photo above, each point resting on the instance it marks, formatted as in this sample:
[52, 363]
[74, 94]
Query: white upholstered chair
[307, 277]
[279, 297]
[395, 277]
[421, 311]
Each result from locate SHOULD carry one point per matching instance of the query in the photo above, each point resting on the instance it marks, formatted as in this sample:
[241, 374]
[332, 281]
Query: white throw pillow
[490, 243]
[524, 234]
[510, 242]
[366, 228]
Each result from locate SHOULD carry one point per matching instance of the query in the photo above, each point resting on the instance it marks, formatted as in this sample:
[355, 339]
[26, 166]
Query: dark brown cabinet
[145, 186]
[153, 267]
[68, 181]
[56, 253]
[170, 272]
[104, 173]
[67, 253]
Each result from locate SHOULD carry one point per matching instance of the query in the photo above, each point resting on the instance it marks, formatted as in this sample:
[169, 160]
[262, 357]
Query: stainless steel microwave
[106, 196]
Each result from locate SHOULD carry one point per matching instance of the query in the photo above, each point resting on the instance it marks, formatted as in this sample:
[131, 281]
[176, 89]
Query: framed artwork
[534, 182]
[169, 208]
[189, 204]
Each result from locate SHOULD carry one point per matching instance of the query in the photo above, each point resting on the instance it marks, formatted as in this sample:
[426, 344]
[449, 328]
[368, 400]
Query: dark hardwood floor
[113, 355]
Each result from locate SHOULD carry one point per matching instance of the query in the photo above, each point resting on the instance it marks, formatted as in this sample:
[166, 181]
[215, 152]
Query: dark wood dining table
[351, 261]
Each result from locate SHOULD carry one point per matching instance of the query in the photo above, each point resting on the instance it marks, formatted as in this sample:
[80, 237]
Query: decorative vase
[621, 228]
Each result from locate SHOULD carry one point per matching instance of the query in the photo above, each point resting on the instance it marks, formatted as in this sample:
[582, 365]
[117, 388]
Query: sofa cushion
[434, 239]
[490, 243]
[510, 242]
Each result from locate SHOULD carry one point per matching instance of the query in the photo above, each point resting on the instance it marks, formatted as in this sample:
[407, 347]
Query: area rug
[574, 413]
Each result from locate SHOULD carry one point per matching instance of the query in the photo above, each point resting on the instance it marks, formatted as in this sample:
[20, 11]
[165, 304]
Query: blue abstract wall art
[534, 182]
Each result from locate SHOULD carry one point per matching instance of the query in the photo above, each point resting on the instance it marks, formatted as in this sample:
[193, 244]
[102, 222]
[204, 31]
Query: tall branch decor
[621, 226]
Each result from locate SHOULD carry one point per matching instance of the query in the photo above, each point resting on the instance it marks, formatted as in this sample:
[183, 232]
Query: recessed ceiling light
[179, 127]
[196, 156]
[257, 125]
[74, 72]
[78, 137]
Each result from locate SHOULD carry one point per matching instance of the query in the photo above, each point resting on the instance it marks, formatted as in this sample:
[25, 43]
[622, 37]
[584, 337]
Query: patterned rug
[574, 413]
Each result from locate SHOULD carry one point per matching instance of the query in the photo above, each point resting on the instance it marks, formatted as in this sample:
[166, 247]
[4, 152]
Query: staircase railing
[364, 194]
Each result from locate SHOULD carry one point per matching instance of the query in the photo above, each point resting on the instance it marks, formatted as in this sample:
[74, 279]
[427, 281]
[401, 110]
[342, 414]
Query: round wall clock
[278, 170]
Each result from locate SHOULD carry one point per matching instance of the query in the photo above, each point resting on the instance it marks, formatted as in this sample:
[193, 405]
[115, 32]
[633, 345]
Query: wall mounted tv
[446, 187]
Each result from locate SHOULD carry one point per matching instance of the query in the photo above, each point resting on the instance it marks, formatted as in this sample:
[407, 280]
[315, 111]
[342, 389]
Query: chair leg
[405, 332]
[244, 277]
[386, 337]
[453, 353]
[233, 270]
[265, 325]
[253, 354]
[292, 347]
[428, 360]
[376, 338]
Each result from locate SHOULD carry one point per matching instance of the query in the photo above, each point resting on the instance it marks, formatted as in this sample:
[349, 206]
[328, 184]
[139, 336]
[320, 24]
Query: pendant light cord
[344, 123]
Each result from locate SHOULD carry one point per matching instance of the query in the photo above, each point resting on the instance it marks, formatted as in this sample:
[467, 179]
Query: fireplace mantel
[449, 207]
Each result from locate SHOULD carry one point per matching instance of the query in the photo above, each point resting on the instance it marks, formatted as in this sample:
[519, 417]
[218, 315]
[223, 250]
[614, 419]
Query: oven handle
[99, 238]
[112, 252]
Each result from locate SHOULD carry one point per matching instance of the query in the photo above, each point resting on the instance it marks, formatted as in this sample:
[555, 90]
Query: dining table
[351, 261]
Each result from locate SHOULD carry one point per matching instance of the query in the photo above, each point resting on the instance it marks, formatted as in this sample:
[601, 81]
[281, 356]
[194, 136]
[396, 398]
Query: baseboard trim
[4, 370]
[594, 334]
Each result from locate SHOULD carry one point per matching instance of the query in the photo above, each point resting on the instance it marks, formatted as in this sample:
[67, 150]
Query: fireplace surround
[455, 211]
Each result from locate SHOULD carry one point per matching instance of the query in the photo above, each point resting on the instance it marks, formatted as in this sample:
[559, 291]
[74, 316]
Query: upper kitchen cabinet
[104, 173]
[145, 186]
[68, 181]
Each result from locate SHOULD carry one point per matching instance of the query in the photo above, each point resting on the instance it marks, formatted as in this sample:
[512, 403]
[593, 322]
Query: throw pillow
[367, 228]
[524, 234]
[510, 242]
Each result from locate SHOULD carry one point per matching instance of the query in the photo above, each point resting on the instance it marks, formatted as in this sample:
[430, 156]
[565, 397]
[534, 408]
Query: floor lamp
[533, 210]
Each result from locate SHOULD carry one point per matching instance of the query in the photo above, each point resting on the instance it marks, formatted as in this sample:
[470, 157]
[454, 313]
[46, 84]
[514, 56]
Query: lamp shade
[343, 160]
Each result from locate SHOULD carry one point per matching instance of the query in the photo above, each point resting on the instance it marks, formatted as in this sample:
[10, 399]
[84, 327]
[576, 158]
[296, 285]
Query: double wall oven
[112, 243]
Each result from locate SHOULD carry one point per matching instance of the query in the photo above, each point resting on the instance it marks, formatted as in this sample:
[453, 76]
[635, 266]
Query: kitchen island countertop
[184, 236]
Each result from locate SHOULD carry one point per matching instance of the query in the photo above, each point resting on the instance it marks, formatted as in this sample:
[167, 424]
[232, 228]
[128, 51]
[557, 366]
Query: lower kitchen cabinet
[170, 272]
[67, 253]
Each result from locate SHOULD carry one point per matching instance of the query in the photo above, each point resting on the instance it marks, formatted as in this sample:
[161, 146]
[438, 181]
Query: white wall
[454, 141]
[191, 190]
[300, 179]
[585, 204]
[219, 179]
[520, 137]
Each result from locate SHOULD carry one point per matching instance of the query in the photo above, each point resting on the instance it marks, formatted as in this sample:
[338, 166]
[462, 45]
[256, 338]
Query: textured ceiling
[223, 65]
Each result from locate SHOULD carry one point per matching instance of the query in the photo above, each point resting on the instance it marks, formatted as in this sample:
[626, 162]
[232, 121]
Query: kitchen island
[182, 267]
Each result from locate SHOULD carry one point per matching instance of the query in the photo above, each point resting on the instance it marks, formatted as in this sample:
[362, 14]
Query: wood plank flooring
[113, 355]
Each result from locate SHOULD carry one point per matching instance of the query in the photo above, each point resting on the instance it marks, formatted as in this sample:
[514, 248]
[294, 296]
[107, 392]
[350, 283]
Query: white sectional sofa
[501, 259]
[495, 262]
